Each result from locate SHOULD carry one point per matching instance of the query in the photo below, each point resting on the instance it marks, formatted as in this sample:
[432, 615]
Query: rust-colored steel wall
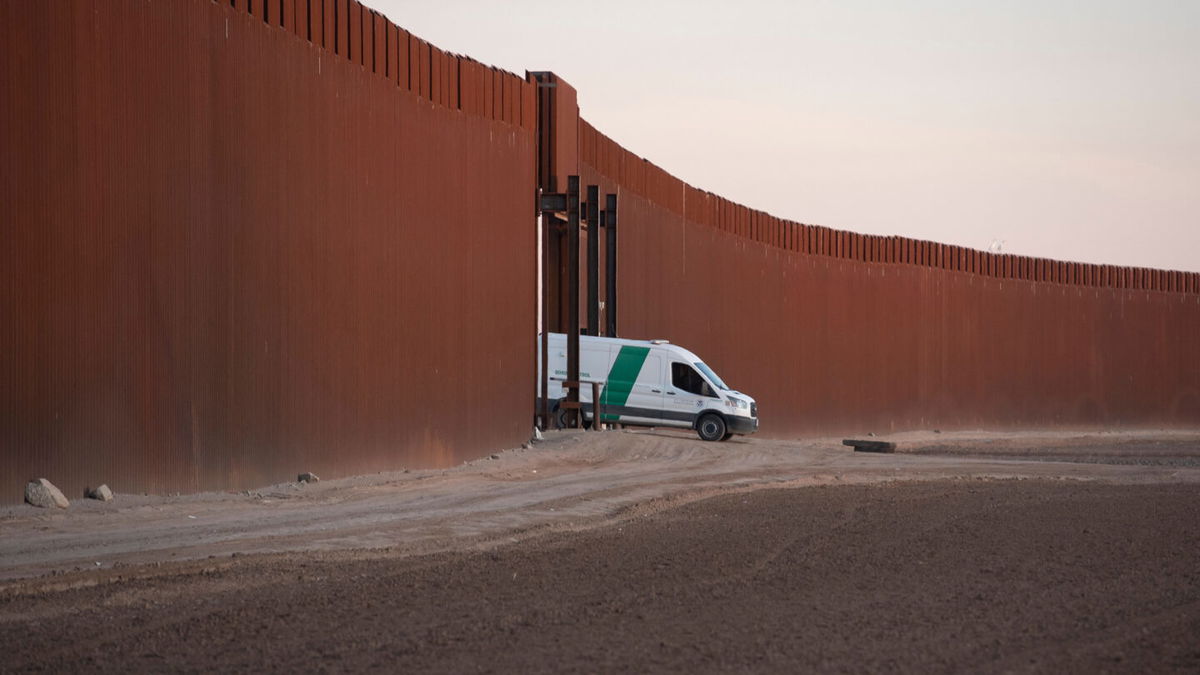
[246, 238]
[839, 332]
[238, 245]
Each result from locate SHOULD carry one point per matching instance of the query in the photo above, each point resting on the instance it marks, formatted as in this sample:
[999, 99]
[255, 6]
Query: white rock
[42, 494]
[102, 493]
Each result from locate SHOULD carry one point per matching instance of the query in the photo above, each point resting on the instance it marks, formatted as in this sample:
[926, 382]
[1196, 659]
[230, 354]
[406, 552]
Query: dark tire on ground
[563, 420]
[727, 436]
[560, 416]
[710, 427]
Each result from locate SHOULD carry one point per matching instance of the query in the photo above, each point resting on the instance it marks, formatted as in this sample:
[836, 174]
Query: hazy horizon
[1064, 130]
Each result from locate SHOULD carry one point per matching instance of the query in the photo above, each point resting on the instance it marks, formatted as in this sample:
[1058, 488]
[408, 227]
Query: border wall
[839, 332]
[242, 242]
[249, 238]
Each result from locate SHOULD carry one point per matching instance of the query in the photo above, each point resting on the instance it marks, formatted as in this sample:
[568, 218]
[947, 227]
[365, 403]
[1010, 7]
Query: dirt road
[641, 552]
[572, 481]
[983, 576]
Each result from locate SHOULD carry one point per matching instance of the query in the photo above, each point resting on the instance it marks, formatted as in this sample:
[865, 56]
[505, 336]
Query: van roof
[682, 353]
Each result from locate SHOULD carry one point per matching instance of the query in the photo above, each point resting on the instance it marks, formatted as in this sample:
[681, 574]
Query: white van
[650, 383]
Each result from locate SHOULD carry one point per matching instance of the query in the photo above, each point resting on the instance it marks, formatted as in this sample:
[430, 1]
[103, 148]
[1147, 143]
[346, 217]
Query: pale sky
[1066, 129]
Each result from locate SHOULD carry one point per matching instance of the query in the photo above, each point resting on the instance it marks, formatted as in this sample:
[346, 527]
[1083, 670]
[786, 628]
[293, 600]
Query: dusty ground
[641, 551]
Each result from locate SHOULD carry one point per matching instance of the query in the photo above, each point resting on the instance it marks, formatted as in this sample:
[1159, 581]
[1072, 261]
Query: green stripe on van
[624, 373]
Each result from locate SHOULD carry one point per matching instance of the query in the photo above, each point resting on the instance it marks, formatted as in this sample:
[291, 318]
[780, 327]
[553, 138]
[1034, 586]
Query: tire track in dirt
[573, 481]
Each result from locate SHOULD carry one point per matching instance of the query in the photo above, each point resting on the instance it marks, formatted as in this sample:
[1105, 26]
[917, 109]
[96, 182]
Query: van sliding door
[634, 387]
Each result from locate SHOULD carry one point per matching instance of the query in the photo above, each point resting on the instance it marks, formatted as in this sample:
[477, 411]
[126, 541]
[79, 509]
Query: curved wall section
[836, 332]
[233, 253]
[249, 238]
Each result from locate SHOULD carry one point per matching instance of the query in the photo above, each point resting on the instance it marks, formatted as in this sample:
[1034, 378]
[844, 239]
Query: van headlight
[735, 402]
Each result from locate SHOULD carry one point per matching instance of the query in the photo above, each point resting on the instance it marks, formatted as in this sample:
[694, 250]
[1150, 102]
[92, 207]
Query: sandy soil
[980, 576]
[571, 481]
[636, 551]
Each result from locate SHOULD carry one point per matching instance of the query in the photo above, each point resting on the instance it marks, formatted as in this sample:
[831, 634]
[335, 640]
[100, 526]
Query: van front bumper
[741, 425]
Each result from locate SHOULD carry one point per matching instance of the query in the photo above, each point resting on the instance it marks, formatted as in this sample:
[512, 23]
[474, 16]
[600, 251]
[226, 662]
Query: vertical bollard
[597, 411]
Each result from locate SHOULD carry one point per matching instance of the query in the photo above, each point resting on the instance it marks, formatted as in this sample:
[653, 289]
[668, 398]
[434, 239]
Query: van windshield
[708, 372]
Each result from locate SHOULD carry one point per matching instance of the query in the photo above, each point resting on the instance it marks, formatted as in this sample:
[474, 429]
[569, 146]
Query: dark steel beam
[603, 227]
[554, 202]
[610, 263]
[544, 346]
[593, 260]
[546, 184]
[572, 327]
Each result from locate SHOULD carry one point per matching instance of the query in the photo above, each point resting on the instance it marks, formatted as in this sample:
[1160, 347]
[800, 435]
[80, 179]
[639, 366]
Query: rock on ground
[42, 494]
[102, 493]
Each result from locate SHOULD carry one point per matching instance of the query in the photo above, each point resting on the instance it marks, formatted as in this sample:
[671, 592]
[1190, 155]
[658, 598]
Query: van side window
[686, 378]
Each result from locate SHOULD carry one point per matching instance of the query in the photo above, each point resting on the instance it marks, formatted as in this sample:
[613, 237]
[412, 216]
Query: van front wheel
[711, 428]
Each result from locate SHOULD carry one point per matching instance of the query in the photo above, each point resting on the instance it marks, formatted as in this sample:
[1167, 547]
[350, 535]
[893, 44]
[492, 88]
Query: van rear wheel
[563, 418]
[711, 428]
